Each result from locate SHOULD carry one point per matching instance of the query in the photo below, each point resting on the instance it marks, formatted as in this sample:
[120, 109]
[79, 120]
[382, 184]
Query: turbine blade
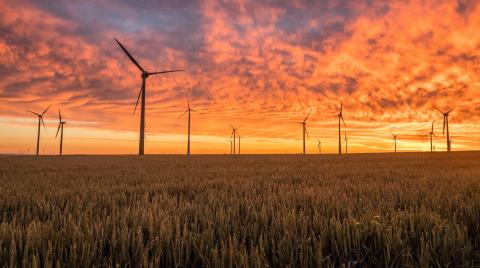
[341, 107]
[443, 125]
[164, 72]
[58, 129]
[438, 110]
[307, 117]
[59, 115]
[138, 98]
[33, 113]
[432, 125]
[341, 116]
[130, 56]
[181, 115]
[450, 110]
[46, 109]
[306, 132]
[41, 119]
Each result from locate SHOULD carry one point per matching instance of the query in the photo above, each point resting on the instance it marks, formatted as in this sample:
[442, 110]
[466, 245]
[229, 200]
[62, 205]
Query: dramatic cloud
[260, 65]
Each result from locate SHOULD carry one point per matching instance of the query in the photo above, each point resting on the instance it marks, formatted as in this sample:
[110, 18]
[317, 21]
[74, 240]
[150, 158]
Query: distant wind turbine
[445, 123]
[189, 110]
[234, 134]
[231, 146]
[145, 75]
[340, 116]
[238, 135]
[431, 134]
[346, 143]
[395, 140]
[304, 130]
[60, 128]
[40, 120]
[319, 146]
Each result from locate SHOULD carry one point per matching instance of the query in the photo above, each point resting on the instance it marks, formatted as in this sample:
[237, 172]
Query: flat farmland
[390, 210]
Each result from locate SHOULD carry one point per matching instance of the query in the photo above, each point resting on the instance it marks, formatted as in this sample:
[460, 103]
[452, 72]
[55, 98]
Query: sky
[260, 66]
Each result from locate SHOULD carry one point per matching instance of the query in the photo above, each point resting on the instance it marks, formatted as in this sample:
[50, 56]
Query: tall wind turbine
[142, 93]
[60, 128]
[234, 134]
[346, 143]
[319, 146]
[40, 120]
[189, 110]
[445, 123]
[431, 134]
[304, 130]
[395, 140]
[340, 116]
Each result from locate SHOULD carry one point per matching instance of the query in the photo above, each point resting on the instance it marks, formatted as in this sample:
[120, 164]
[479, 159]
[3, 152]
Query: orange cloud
[258, 65]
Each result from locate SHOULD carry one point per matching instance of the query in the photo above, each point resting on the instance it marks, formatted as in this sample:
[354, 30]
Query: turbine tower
[60, 128]
[431, 134]
[340, 116]
[234, 134]
[395, 140]
[445, 123]
[142, 93]
[304, 130]
[189, 110]
[40, 120]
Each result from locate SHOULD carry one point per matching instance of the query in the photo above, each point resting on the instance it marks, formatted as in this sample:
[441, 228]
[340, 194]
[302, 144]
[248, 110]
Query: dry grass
[357, 210]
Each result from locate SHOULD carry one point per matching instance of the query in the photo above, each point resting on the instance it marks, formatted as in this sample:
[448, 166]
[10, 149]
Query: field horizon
[242, 154]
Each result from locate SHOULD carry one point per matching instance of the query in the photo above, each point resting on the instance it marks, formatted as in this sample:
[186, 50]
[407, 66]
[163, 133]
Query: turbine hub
[145, 74]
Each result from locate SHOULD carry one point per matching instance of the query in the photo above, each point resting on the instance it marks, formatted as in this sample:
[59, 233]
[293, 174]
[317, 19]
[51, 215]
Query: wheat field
[365, 210]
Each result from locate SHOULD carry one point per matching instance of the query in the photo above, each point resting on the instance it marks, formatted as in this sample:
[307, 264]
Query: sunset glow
[258, 65]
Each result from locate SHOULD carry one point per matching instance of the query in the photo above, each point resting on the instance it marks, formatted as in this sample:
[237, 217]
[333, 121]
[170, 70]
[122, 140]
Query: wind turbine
[431, 134]
[304, 130]
[445, 123]
[395, 140]
[60, 127]
[189, 110]
[238, 135]
[346, 143]
[231, 147]
[234, 134]
[319, 146]
[40, 120]
[340, 116]
[144, 76]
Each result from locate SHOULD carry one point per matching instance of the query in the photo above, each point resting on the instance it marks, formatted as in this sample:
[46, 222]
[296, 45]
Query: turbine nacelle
[145, 74]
